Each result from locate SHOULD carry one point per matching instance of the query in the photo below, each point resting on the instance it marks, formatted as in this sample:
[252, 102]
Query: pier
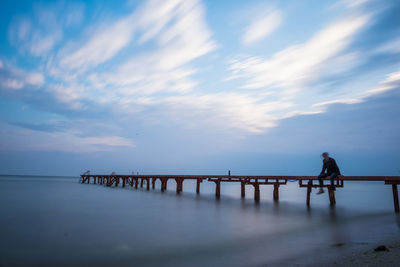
[308, 182]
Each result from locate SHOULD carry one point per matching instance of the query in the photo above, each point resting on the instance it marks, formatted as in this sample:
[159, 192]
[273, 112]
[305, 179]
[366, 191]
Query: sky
[191, 86]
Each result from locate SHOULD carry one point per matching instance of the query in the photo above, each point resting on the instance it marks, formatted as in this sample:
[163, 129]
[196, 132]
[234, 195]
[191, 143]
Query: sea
[57, 221]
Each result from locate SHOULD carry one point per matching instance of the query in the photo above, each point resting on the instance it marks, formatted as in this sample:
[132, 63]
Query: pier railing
[255, 181]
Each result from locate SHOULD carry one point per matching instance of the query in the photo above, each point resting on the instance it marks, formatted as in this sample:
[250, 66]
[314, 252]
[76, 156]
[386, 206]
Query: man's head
[325, 155]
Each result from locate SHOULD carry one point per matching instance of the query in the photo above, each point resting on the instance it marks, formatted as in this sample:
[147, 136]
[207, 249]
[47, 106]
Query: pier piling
[218, 188]
[198, 181]
[256, 181]
[395, 198]
[276, 192]
[243, 189]
[309, 187]
[164, 184]
[331, 192]
[256, 191]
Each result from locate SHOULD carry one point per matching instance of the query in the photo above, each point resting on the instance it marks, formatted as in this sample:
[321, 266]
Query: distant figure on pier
[329, 168]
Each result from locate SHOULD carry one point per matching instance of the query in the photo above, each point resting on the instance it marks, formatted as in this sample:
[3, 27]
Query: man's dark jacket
[330, 167]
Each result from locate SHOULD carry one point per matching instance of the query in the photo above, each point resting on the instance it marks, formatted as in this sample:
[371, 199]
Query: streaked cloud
[39, 32]
[264, 24]
[100, 47]
[16, 78]
[62, 141]
[296, 65]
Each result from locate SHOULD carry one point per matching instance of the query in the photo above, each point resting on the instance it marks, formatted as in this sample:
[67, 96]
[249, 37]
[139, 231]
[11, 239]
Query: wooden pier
[308, 182]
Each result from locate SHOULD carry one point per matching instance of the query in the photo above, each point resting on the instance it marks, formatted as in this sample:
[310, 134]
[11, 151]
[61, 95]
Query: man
[330, 168]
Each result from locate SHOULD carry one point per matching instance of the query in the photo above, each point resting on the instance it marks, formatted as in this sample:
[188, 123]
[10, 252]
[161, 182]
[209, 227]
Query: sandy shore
[370, 257]
[347, 255]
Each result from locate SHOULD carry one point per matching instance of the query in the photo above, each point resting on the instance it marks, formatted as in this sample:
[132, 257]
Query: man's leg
[321, 182]
[320, 178]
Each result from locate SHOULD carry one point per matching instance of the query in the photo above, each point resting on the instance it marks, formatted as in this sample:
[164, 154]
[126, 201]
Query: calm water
[53, 221]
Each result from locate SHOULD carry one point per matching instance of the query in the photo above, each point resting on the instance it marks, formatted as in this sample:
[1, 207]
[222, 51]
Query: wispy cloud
[296, 65]
[264, 24]
[100, 47]
[39, 32]
[392, 81]
[286, 76]
[15, 78]
[62, 141]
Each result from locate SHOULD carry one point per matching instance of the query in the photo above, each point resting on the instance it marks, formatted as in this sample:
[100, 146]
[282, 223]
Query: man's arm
[337, 167]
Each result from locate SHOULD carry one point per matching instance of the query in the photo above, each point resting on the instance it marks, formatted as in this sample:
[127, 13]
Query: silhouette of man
[329, 168]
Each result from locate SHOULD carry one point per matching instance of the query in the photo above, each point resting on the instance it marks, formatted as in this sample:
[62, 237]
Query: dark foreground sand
[348, 255]
[369, 257]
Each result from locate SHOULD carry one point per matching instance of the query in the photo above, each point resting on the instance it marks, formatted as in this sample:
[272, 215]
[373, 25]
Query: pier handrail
[283, 177]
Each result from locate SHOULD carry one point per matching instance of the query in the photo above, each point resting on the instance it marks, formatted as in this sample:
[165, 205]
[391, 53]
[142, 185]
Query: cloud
[15, 79]
[299, 64]
[392, 81]
[43, 127]
[286, 76]
[155, 66]
[182, 37]
[391, 46]
[101, 46]
[262, 26]
[61, 135]
[39, 32]
[67, 142]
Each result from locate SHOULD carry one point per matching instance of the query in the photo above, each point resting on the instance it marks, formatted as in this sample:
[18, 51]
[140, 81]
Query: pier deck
[255, 181]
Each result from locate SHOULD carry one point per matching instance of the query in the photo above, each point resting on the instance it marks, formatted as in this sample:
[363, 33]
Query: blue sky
[258, 87]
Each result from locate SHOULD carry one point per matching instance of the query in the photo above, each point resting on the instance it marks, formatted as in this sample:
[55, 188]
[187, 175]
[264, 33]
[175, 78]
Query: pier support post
[88, 180]
[331, 191]
[153, 182]
[243, 189]
[276, 192]
[136, 182]
[147, 183]
[116, 181]
[141, 182]
[218, 188]
[179, 185]
[164, 184]
[309, 188]
[94, 179]
[256, 192]
[123, 181]
[131, 181]
[198, 186]
[395, 198]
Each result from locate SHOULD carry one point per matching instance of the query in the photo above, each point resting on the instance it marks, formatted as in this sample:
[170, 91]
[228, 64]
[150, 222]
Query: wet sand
[369, 257]
[344, 255]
